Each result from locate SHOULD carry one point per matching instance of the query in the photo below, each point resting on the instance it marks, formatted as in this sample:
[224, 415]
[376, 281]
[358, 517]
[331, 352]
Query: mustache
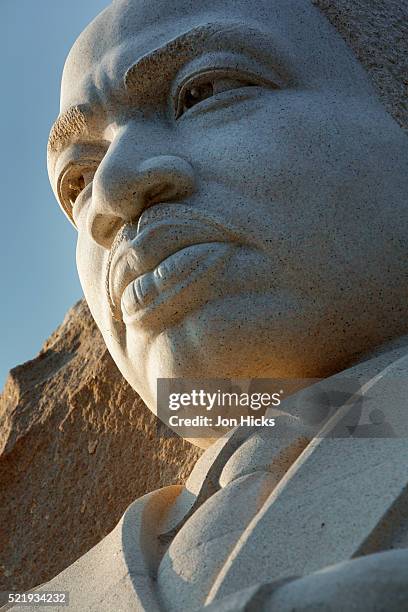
[124, 234]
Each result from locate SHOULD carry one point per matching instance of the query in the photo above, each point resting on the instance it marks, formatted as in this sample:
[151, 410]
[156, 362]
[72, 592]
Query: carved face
[238, 190]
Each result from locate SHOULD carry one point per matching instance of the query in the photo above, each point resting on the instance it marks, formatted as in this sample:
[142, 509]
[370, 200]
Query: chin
[217, 346]
[242, 336]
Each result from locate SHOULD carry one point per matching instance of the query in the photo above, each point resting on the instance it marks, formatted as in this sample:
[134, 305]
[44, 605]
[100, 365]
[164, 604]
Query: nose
[122, 190]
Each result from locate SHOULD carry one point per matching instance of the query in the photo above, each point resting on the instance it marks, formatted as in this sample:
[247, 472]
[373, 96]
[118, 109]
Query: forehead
[129, 29]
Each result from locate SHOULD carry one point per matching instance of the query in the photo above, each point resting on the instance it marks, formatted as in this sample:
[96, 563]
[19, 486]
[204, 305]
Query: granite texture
[239, 190]
[77, 446]
[331, 534]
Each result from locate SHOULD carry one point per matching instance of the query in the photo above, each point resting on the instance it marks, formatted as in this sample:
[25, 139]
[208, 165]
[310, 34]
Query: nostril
[104, 228]
[120, 197]
[165, 178]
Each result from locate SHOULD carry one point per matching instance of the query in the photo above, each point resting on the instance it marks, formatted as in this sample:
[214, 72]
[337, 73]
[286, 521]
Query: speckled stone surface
[332, 534]
[377, 31]
[239, 190]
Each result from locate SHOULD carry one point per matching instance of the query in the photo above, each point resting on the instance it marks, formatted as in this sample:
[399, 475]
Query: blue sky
[39, 280]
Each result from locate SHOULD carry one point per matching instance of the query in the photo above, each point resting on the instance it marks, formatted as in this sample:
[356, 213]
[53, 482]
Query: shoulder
[116, 573]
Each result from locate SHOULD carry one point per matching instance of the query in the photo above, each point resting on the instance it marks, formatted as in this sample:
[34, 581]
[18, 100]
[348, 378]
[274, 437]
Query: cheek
[301, 177]
[288, 138]
[301, 160]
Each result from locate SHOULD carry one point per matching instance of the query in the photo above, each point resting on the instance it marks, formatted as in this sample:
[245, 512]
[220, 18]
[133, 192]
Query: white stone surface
[240, 198]
[245, 231]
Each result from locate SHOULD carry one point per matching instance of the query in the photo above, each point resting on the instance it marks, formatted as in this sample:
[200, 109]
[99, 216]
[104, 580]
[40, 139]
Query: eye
[73, 182]
[196, 93]
[204, 86]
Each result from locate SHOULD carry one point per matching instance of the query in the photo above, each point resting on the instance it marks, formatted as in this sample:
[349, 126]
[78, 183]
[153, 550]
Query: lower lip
[181, 271]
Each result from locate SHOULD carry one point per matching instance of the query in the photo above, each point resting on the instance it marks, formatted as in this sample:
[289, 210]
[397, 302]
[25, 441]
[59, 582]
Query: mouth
[185, 271]
[160, 259]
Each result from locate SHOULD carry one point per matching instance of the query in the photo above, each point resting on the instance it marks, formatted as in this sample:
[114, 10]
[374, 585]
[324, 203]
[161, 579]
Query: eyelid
[232, 65]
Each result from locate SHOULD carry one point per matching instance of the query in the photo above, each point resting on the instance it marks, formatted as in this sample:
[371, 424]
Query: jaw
[236, 337]
[264, 335]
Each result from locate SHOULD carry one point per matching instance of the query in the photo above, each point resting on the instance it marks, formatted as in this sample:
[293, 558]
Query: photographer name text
[205, 421]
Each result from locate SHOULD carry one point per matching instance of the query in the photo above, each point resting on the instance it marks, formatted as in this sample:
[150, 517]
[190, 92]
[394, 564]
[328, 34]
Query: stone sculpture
[240, 196]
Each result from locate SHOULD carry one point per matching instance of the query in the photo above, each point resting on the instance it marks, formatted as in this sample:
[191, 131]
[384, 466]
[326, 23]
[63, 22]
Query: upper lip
[159, 234]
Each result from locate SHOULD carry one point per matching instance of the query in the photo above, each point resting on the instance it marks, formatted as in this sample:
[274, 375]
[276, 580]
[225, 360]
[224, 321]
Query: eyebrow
[75, 122]
[208, 37]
